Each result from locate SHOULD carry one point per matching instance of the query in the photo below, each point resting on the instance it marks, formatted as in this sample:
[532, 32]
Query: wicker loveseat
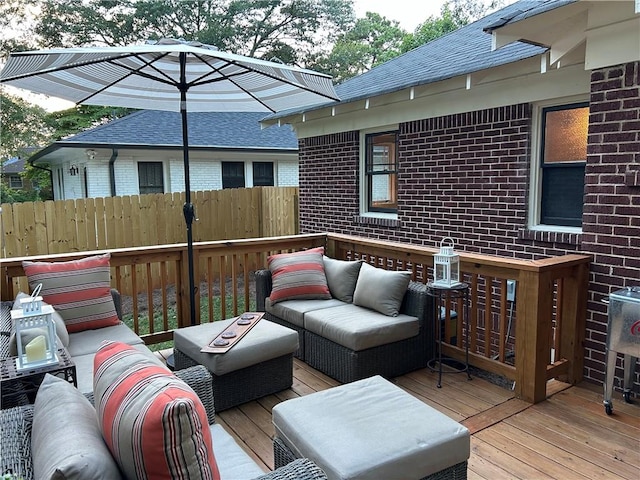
[234, 463]
[388, 356]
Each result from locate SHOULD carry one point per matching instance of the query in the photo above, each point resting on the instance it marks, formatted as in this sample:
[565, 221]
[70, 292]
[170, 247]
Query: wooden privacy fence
[68, 226]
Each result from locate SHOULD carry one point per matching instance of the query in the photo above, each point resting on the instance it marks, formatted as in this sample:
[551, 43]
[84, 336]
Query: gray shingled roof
[13, 165]
[466, 50]
[151, 128]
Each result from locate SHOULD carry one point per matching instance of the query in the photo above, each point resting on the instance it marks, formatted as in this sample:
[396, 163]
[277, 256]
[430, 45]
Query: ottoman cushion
[359, 328]
[370, 429]
[265, 341]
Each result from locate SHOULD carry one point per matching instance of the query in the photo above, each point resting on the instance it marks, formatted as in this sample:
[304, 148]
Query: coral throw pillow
[79, 290]
[153, 423]
[298, 275]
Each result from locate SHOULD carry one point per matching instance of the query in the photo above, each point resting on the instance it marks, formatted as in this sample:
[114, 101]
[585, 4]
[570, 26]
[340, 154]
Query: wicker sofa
[388, 358]
[16, 422]
[83, 345]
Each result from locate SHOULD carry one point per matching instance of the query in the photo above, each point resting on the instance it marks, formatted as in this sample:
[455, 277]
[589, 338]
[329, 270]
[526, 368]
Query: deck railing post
[534, 310]
[574, 317]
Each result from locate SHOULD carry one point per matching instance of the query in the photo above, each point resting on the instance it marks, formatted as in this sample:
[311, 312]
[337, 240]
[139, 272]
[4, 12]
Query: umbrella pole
[188, 210]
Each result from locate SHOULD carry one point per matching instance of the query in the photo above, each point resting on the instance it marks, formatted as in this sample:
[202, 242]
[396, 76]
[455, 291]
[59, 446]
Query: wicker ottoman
[261, 363]
[370, 429]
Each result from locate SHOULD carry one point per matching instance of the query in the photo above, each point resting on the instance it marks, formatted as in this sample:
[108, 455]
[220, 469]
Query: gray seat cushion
[233, 462]
[359, 328]
[369, 430]
[84, 367]
[265, 341]
[88, 341]
[293, 311]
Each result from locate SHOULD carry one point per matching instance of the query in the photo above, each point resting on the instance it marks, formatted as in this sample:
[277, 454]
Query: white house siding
[205, 173]
[287, 173]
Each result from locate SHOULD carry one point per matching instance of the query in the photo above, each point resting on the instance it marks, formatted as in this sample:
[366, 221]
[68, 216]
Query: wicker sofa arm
[15, 442]
[263, 288]
[416, 302]
[199, 379]
[300, 469]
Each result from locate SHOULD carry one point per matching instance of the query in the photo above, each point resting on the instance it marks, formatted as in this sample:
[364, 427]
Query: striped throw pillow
[153, 423]
[298, 275]
[79, 290]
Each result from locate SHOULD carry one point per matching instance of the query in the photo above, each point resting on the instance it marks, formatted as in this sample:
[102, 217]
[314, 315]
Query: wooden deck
[568, 436]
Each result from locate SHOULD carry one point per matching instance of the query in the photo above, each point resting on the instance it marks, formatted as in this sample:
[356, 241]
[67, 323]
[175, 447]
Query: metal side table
[443, 297]
[19, 387]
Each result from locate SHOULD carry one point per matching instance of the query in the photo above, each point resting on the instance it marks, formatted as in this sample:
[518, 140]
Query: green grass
[143, 320]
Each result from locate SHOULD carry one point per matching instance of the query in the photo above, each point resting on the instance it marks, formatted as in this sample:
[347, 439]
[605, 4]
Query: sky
[409, 13]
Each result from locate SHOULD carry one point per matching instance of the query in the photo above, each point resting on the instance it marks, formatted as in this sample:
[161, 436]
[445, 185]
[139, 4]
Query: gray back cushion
[381, 290]
[342, 276]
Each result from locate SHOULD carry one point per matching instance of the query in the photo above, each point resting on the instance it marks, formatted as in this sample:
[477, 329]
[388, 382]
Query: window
[381, 161]
[15, 181]
[563, 156]
[232, 174]
[150, 177]
[263, 174]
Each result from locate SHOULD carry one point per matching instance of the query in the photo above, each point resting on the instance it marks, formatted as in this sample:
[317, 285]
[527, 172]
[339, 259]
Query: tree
[373, 40]
[453, 15]
[288, 29]
[24, 126]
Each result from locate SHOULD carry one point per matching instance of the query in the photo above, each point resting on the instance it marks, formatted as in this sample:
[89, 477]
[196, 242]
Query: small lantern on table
[446, 265]
[35, 333]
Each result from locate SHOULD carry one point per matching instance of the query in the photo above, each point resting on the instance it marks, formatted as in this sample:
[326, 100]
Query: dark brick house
[517, 135]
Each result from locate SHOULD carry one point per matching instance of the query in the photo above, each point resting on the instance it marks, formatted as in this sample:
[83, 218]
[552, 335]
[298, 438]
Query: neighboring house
[517, 135]
[142, 153]
[10, 175]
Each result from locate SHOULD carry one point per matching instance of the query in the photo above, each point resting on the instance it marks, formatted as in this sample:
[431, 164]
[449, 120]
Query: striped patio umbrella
[170, 75]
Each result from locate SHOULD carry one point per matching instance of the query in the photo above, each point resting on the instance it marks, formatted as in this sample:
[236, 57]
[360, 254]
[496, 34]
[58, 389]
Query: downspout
[50, 175]
[112, 171]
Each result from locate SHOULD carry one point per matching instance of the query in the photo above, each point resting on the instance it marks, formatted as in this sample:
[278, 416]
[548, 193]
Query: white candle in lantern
[36, 349]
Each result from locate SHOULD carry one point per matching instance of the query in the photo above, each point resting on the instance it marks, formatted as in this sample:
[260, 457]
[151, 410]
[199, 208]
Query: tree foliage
[294, 31]
[373, 40]
[24, 126]
[453, 15]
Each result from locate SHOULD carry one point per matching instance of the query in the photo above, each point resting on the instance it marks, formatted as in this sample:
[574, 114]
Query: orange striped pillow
[79, 290]
[298, 275]
[153, 423]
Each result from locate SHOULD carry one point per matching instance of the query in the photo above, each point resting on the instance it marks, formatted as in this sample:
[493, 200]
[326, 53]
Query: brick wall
[611, 222]
[328, 183]
[464, 176]
[467, 176]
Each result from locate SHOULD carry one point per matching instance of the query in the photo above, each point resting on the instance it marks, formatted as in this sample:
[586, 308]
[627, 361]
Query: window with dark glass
[232, 174]
[563, 160]
[263, 174]
[150, 177]
[15, 181]
[381, 163]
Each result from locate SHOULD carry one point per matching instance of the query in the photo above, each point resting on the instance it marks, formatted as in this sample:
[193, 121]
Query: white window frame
[363, 194]
[535, 186]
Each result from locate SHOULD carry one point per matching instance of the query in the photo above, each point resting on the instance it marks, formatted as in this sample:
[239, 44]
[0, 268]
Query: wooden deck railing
[538, 337]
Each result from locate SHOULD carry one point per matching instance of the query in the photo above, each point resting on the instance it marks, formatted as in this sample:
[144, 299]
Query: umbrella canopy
[170, 75]
[148, 77]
